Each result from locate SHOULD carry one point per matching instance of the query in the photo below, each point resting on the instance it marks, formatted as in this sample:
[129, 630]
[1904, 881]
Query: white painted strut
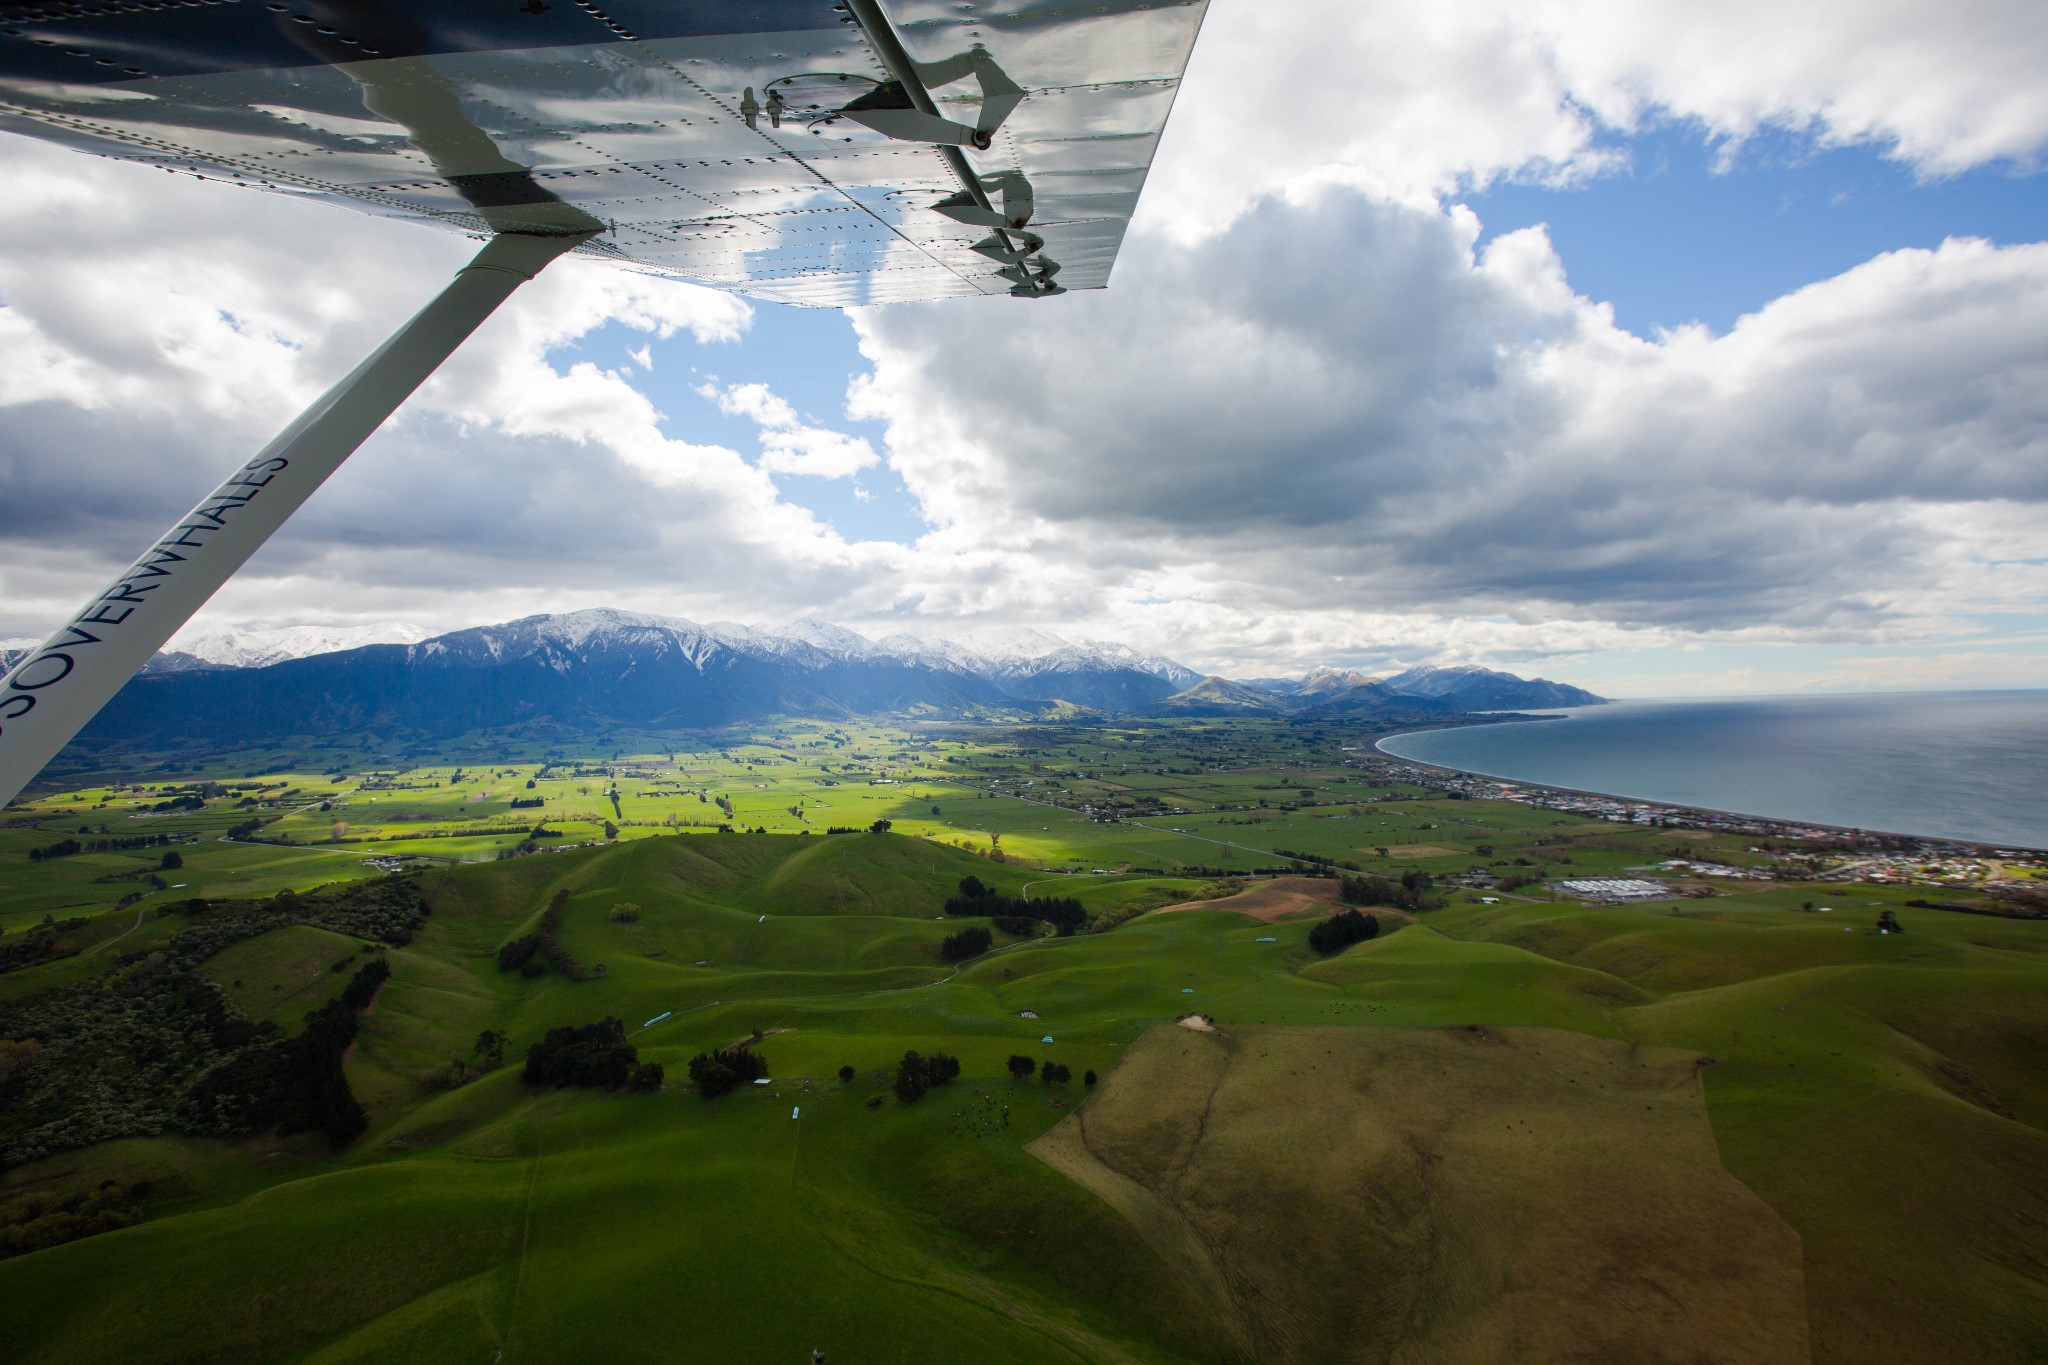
[50, 695]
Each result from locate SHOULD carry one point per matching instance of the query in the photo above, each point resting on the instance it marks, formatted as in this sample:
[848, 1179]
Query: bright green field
[1080, 802]
[1885, 1095]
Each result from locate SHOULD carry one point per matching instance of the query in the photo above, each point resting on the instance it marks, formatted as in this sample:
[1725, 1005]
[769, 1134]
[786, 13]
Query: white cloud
[156, 329]
[1288, 454]
[790, 445]
[1309, 422]
[1414, 101]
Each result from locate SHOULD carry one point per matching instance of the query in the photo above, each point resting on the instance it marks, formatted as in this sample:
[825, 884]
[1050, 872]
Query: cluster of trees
[296, 1084]
[1052, 1073]
[594, 1056]
[37, 1220]
[1341, 930]
[528, 802]
[150, 1045]
[532, 954]
[1015, 914]
[1317, 859]
[717, 1073]
[1411, 892]
[916, 1075]
[42, 941]
[65, 848]
[969, 942]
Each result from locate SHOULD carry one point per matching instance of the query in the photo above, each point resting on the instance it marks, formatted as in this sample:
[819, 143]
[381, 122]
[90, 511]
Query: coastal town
[1786, 850]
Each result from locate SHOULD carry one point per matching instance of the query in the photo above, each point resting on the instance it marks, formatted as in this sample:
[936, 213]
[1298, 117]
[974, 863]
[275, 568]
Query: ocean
[1957, 765]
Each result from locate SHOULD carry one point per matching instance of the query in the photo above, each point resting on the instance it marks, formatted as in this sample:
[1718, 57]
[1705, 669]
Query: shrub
[591, 1055]
[532, 954]
[1411, 892]
[967, 943]
[516, 953]
[1021, 1066]
[625, 912]
[1341, 930]
[846, 1075]
[916, 1075]
[975, 898]
[717, 1073]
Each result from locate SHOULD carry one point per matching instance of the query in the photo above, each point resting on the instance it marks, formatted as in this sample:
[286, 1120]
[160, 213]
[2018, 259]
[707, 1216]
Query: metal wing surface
[711, 139]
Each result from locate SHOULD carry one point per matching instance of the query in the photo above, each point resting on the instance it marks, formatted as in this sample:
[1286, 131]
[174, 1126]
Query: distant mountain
[1333, 682]
[256, 648]
[1486, 689]
[1219, 697]
[1355, 697]
[615, 667]
[605, 666]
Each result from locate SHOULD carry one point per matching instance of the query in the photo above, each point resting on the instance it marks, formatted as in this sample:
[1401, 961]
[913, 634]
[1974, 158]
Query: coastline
[1773, 824]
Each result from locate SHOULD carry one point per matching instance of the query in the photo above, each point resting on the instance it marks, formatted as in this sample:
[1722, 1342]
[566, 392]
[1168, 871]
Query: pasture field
[1727, 1127]
[1183, 800]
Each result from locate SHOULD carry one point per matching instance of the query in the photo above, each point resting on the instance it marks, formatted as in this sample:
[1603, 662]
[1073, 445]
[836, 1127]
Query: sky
[1654, 347]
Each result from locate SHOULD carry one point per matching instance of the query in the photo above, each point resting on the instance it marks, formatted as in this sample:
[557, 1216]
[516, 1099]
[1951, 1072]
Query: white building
[1615, 889]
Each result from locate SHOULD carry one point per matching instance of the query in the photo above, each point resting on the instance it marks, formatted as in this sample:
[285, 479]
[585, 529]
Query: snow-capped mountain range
[255, 648]
[994, 653]
[609, 667]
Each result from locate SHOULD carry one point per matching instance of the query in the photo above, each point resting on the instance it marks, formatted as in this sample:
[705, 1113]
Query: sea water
[1958, 765]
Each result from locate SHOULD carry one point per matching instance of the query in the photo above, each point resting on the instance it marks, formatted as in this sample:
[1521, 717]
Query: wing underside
[710, 139]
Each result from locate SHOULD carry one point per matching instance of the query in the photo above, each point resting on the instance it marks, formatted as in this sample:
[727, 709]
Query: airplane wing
[817, 152]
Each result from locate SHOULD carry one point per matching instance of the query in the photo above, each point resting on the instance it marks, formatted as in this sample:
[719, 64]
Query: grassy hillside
[1501, 1132]
[1478, 1194]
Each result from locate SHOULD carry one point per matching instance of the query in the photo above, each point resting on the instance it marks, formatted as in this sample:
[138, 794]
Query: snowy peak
[835, 641]
[1019, 662]
[259, 647]
[1334, 680]
[1010, 644]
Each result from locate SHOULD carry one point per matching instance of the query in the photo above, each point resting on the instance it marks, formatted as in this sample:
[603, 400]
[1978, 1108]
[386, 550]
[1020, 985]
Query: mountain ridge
[608, 666]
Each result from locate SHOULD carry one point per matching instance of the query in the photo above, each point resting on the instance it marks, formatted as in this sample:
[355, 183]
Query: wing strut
[50, 695]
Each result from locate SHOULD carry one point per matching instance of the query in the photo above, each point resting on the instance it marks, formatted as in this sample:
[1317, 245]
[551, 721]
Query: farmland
[1723, 1126]
[1160, 800]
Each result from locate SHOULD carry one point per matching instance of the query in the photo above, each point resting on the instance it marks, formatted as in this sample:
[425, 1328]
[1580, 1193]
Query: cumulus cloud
[790, 445]
[155, 330]
[1415, 101]
[1311, 421]
[1339, 406]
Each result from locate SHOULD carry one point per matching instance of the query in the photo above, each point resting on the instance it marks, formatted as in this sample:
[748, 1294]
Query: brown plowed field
[1276, 898]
